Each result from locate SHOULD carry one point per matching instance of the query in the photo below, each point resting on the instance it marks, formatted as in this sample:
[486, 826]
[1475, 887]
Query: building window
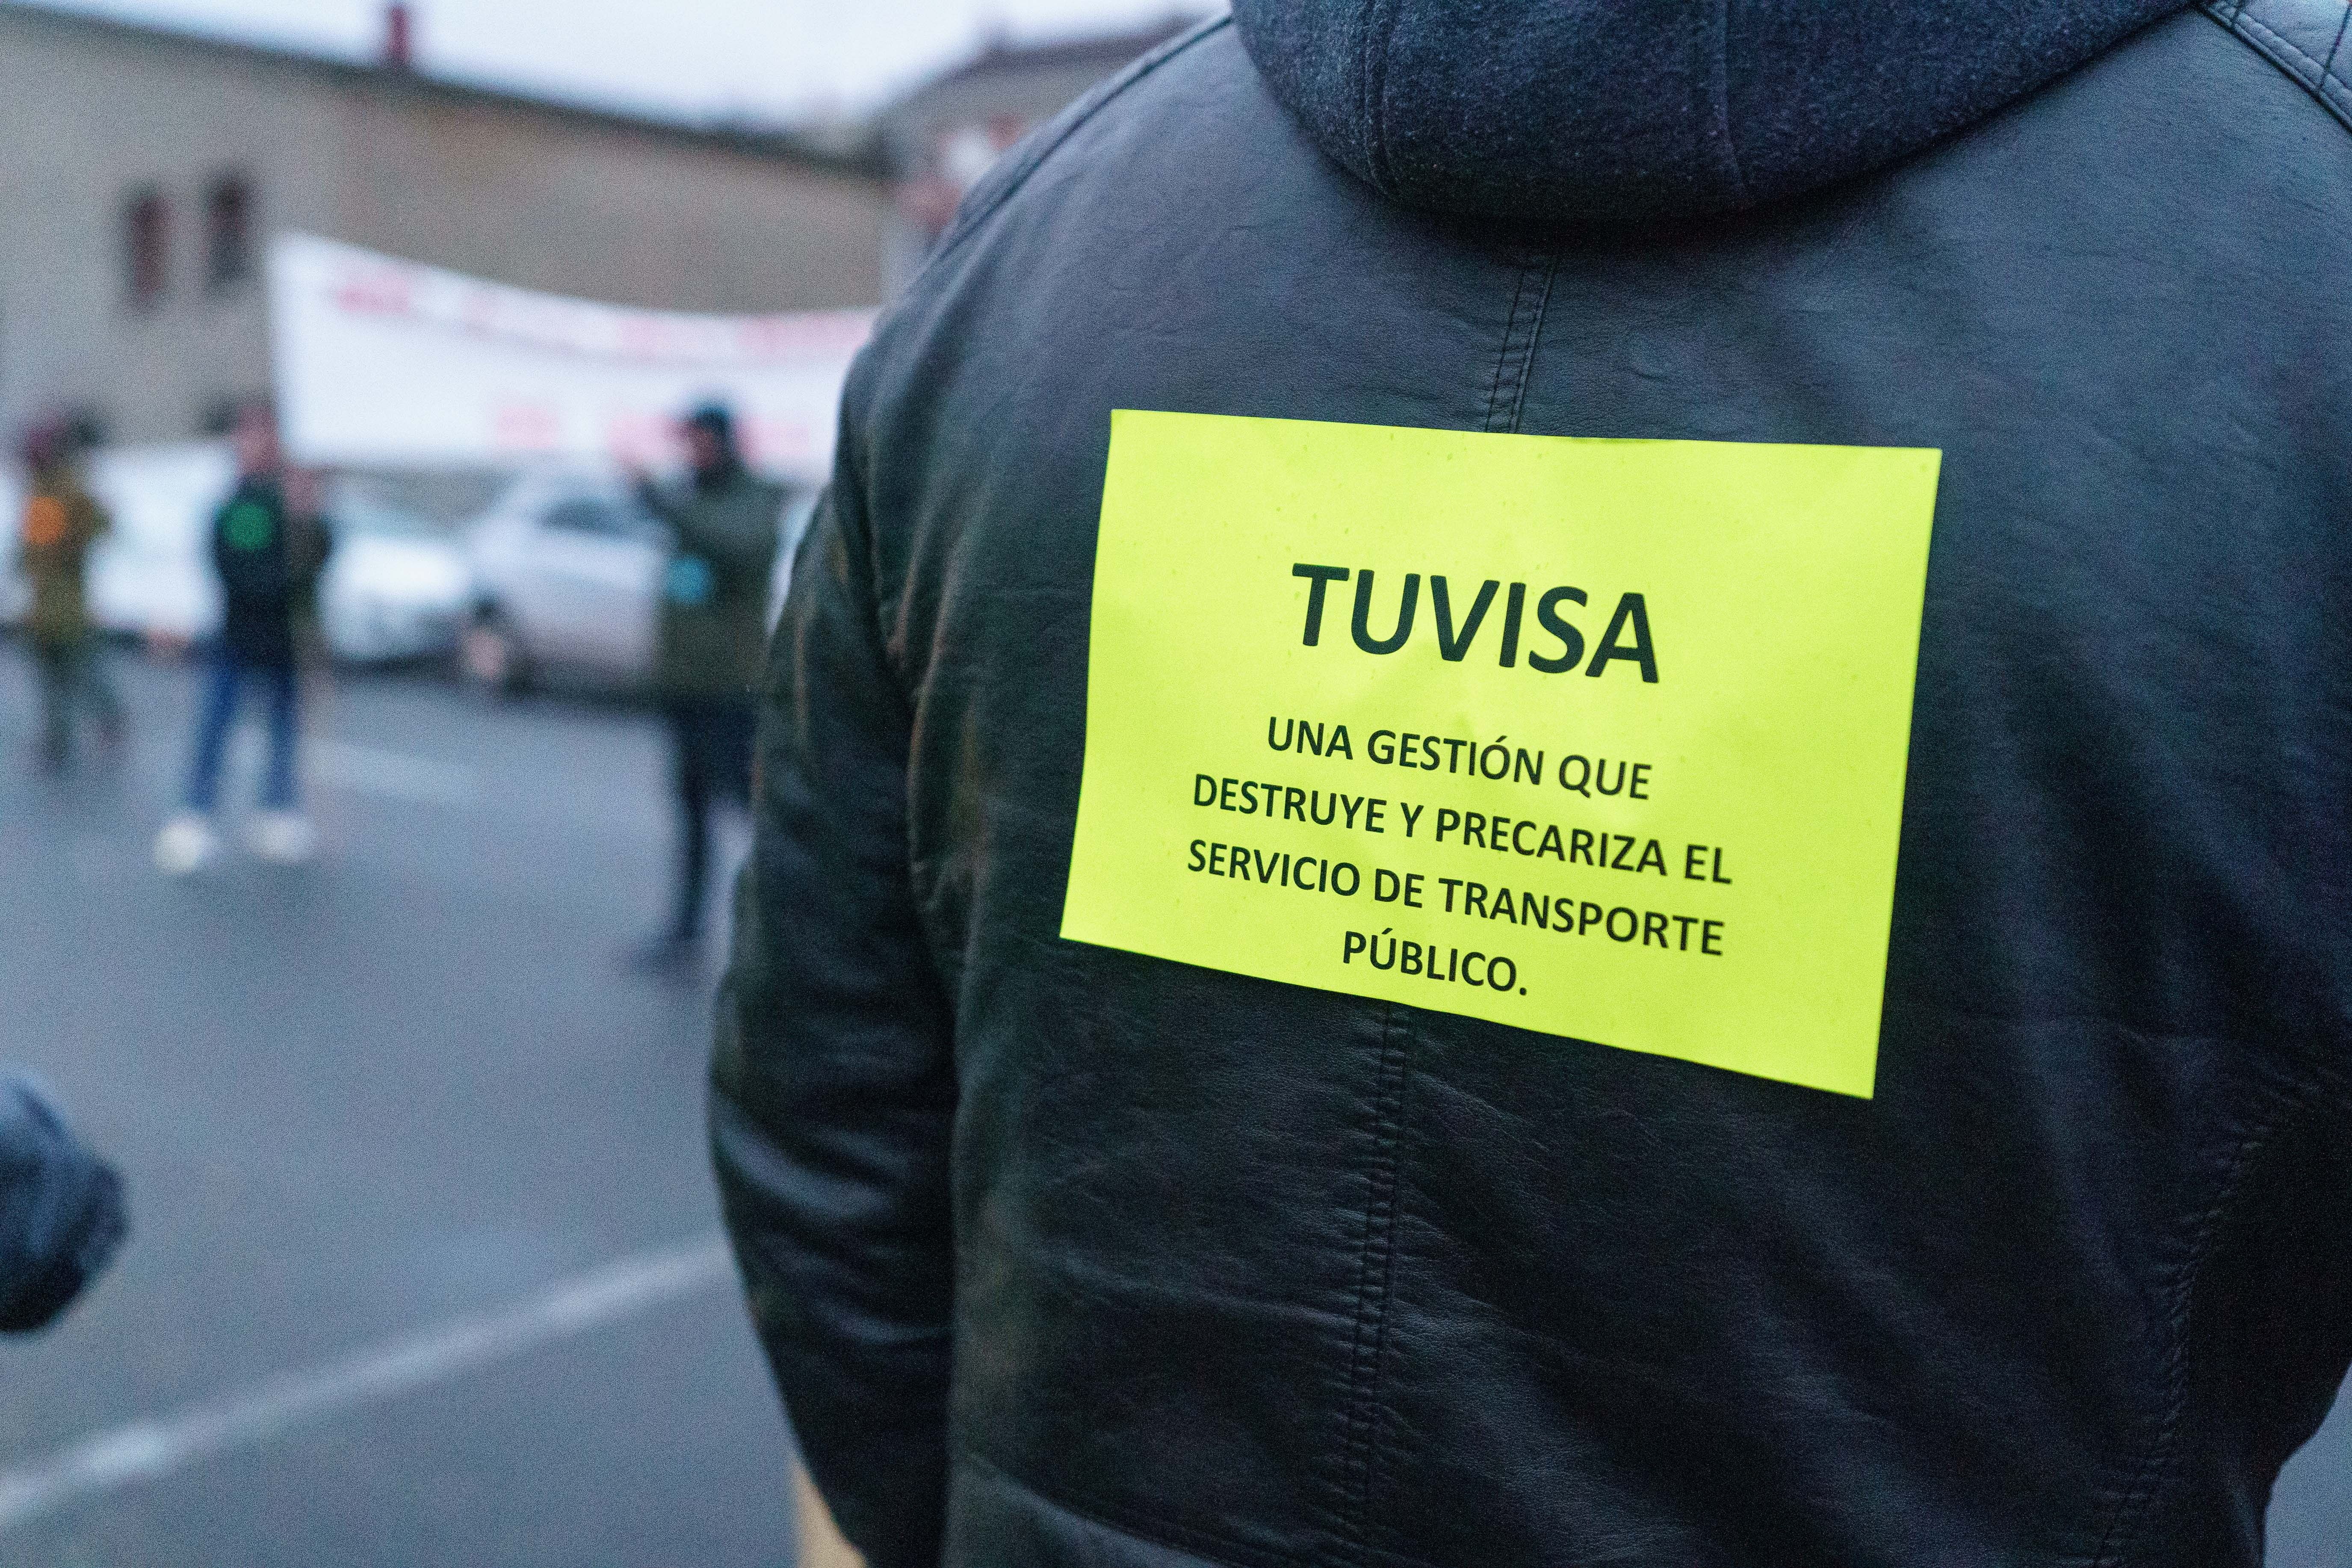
[228, 233]
[217, 416]
[87, 426]
[146, 247]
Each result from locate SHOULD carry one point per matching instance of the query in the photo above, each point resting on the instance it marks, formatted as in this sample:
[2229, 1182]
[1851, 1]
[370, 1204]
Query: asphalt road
[423, 1268]
[390, 1101]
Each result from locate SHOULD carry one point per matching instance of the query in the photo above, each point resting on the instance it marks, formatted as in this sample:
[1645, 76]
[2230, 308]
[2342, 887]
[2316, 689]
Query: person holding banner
[722, 523]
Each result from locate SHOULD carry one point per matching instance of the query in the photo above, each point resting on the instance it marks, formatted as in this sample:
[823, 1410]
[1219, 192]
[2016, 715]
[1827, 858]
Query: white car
[397, 587]
[567, 579]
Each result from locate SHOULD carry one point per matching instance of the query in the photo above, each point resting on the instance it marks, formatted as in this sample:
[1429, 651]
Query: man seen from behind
[1152, 1141]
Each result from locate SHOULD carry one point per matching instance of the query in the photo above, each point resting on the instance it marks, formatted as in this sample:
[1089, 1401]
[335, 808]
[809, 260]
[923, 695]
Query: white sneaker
[186, 842]
[282, 837]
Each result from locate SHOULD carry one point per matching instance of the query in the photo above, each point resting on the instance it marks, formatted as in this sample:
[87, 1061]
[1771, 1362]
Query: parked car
[567, 572]
[398, 586]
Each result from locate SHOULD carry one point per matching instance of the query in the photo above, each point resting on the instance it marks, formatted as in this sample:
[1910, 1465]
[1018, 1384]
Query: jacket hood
[1616, 113]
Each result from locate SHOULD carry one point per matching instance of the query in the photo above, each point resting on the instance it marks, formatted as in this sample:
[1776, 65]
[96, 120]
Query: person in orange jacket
[61, 522]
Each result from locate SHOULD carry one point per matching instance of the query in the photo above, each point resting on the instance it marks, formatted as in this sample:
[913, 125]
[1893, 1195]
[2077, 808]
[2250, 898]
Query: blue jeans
[227, 673]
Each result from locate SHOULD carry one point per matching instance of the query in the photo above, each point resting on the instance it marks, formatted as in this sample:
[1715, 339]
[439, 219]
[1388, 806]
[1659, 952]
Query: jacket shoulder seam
[1375, 1290]
[2316, 76]
[1507, 395]
[997, 189]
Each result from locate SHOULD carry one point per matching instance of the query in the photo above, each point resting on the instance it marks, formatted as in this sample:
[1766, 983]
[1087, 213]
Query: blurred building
[939, 139]
[146, 168]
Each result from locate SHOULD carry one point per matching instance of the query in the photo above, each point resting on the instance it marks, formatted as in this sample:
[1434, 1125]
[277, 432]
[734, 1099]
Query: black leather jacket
[62, 1215]
[1068, 1256]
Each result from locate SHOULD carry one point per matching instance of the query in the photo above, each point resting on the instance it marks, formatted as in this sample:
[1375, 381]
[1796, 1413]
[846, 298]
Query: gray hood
[1614, 114]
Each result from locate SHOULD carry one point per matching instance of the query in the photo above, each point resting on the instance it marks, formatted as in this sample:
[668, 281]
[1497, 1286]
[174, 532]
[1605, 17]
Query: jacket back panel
[1260, 1275]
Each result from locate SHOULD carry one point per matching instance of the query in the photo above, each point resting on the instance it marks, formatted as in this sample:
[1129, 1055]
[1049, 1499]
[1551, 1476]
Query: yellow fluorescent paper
[1602, 740]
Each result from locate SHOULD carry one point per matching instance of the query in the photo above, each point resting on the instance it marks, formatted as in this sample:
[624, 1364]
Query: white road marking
[365, 769]
[145, 1450]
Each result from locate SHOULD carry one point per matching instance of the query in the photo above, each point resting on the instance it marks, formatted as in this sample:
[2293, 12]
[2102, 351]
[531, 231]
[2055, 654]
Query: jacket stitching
[1720, 91]
[1370, 1337]
[2148, 1480]
[1376, 1433]
[2327, 66]
[1376, 85]
[1526, 370]
[2320, 80]
[1516, 357]
[2330, 89]
[1503, 356]
[1371, 82]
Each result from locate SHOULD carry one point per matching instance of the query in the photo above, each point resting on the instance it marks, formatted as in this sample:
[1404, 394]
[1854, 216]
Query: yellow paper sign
[1602, 739]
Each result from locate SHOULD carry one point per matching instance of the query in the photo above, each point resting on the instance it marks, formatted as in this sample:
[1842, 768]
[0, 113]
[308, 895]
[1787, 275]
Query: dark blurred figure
[61, 523]
[1068, 1256]
[722, 523]
[269, 545]
[61, 1210]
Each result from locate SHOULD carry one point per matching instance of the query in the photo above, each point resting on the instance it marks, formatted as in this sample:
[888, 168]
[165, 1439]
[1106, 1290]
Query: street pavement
[403, 1099]
[423, 1266]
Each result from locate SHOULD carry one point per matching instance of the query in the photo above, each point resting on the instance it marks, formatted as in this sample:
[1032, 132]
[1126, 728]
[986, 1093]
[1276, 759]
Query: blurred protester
[1069, 1254]
[722, 523]
[268, 546]
[61, 523]
[61, 1210]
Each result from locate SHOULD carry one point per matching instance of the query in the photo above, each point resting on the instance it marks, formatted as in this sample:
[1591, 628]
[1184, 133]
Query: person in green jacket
[269, 547]
[61, 522]
[722, 523]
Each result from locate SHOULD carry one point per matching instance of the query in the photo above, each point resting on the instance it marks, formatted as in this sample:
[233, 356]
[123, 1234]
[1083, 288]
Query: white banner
[386, 362]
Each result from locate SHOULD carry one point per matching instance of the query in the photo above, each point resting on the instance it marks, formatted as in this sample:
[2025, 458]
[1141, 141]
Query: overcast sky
[759, 59]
